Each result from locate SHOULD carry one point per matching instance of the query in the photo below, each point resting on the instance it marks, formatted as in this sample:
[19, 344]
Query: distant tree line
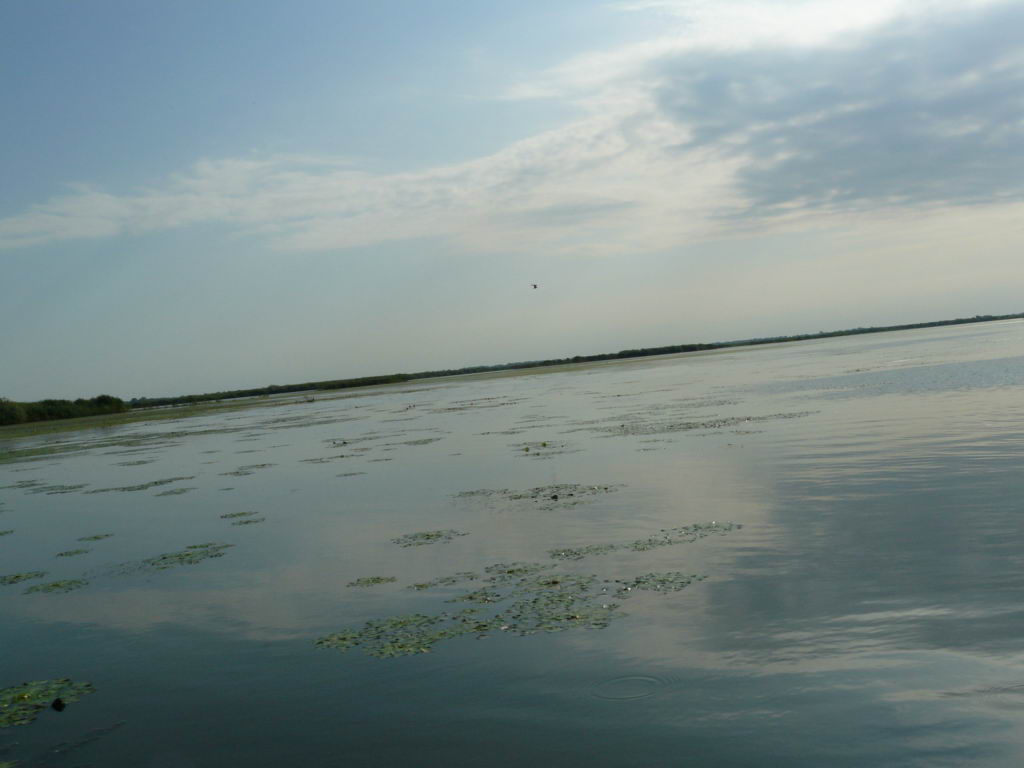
[45, 410]
[17, 413]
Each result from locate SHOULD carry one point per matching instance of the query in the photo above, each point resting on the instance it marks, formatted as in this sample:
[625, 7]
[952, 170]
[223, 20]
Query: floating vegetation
[20, 704]
[664, 427]
[482, 595]
[138, 462]
[544, 497]
[8, 532]
[73, 553]
[370, 581]
[245, 470]
[543, 449]
[16, 578]
[250, 521]
[142, 486]
[174, 492]
[232, 515]
[96, 537]
[666, 537]
[64, 585]
[427, 537]
[21, 485]
[672, 581]
[540, 601]
[446, 581]
[350, 474]
[503, 572]
[52, 490]
[191, 555]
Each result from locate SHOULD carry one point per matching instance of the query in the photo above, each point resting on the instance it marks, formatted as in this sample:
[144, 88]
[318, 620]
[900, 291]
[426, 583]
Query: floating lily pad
[369, 581]
[664, 538]
[16, 578]
[427, 537]
[190, 555]
[142, 486]
[672, 581]
[20, 704]
[446, 581]
[96, 537]
[64, 585]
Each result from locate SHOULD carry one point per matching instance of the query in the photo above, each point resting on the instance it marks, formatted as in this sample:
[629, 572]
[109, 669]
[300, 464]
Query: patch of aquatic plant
[142, 486]
[190, 555]
[17, 578]
[174, 492]
[446, 581]
[96, 537]
[543, 449]
[232, 515]
[53, 490]
[664, 427]
[350, 474]
[64, 585]
[137, 462]
[506, 572]
[482, 595]
[371, 581]
[21, 485]
[20, 704]
[540, 601]
[672, 581]
[427, 537]
[397, 635]
[8, 532]
[664, 538]
[544, 497]
[247, 469]
[73, 552]
[250, 521]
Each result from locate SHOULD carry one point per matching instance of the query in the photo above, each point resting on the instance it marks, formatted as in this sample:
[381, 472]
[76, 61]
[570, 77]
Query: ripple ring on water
[629, 688]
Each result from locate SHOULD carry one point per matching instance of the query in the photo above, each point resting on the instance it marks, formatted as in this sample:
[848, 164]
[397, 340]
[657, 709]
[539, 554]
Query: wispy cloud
[739, 112]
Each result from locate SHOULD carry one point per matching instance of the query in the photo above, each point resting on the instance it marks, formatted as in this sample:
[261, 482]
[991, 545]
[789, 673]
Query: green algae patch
[17, 578]
[370, 581]
[672, 581]
[446, 581]
[73, 552]
[666, 537]
[396, 636]
[20, 704]
[536, 600]
[64, 585]
[190, 555]
[546, 498]
[174, 492]
[427, 537]
[142, 486]
[96, 537]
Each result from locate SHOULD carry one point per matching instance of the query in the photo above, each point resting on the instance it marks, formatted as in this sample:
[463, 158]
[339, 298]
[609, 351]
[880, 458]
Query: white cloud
[628, 177]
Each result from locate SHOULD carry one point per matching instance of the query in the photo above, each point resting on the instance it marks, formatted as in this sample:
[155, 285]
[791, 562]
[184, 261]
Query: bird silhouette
[534, 285]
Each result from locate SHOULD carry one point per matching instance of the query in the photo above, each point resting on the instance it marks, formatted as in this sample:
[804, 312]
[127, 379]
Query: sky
[200, 196]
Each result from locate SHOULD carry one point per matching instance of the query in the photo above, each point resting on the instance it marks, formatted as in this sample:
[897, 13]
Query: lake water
[806, 554]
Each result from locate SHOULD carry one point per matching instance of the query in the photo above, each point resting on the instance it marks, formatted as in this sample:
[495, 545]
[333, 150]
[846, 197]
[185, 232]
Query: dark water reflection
[868, 613]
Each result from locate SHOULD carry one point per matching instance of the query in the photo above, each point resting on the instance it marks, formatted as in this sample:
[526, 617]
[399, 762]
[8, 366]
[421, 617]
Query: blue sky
[215, 195]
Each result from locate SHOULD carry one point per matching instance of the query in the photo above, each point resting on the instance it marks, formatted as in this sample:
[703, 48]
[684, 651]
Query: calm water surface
[868, 611]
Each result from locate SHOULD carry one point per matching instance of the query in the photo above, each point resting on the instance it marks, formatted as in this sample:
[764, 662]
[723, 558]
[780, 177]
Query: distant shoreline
[144, 408]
